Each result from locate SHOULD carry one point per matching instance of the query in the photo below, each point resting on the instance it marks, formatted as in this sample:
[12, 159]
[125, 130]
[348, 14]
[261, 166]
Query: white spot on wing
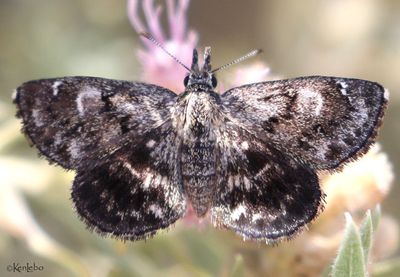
[74, 149]
[164, 181]
[247, 183]
[238, 211]
[237, 180]
[134, 214]
[263, 170]
[156, 210]
[147, 181]
[103, 195]
[55, 87]
[128, 108]
[121, 215]
[150, 143]
[14, 95]
[255, 217]
[310, 99]
[37, 118]
[245, 145]
[131, 169]
[157, 180]
[86, 93]
[344, 85]
[386, 94]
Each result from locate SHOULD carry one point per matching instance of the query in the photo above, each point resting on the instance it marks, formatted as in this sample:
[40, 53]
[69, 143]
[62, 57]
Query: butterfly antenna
[245, 57]
[153, 40]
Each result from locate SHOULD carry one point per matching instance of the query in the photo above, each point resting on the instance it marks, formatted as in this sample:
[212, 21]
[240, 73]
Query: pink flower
[159, 68]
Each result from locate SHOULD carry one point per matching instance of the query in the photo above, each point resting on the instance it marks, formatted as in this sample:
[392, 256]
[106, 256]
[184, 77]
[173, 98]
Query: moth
[247, 157]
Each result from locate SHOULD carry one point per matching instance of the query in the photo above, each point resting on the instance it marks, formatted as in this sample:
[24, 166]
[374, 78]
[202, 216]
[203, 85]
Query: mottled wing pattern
[75, 119]
[118, 136]
[262, 193]
[135, 192]
[323, 120]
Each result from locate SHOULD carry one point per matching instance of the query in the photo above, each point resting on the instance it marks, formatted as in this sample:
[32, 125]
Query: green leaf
[376, 217]
[350, 259]
[366, 230]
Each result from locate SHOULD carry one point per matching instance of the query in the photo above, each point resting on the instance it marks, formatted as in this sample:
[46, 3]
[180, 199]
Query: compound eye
[186, 80]
[214, 81]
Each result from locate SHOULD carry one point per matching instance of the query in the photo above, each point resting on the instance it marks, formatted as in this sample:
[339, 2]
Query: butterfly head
[203, 77]
[200, 79]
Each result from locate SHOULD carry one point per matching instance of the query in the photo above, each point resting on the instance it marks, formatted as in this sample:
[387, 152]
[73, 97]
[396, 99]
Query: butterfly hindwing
[323, 120]
[262, 193]
[74, 119]
[136, 191]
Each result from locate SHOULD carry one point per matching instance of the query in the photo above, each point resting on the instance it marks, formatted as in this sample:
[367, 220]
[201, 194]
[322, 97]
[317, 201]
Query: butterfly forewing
[321, 120]
[75, 119]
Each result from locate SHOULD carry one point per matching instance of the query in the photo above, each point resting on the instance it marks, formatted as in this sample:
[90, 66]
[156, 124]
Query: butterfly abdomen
[198, 173]
[198, 159]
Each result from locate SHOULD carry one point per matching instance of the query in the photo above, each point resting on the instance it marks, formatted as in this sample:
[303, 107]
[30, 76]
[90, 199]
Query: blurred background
[43, 39]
